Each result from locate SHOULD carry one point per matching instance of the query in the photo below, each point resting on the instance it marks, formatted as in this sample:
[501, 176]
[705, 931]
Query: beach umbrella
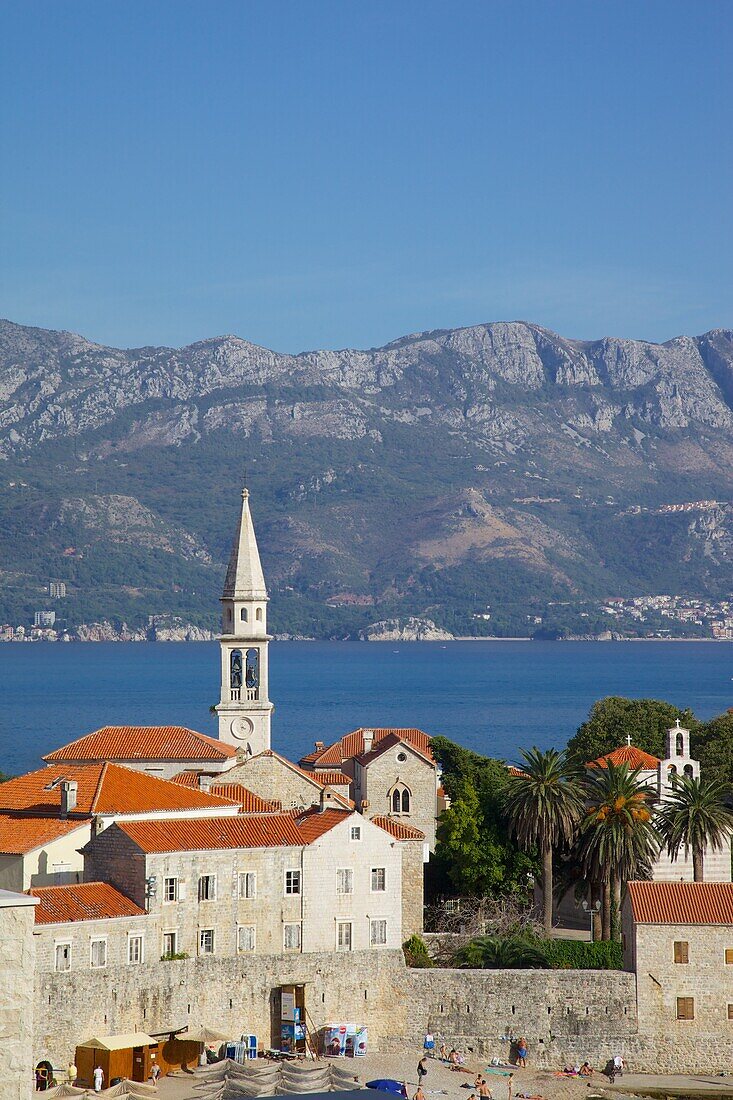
[66, 1090]
[204, 1035]
[386, 1084]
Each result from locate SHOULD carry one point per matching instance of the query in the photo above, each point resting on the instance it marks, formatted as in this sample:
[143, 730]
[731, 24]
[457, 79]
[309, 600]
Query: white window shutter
[182, 888]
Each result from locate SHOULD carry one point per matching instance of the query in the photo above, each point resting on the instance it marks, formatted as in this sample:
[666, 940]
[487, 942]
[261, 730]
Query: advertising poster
[287, 1011]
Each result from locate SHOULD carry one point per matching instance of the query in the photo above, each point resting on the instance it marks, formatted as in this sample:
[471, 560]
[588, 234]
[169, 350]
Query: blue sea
[494, 697]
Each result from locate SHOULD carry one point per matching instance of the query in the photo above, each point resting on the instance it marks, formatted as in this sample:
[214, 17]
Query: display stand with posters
[292, 1038]
[344, 1041]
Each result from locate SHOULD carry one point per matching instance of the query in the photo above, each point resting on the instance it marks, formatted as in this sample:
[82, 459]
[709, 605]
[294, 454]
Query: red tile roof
[250, 802]
[681, 902]
[398, 829]
[102, 788]
[314, 823]
[143, 743]
[256, 831]
[85, 901]
[20, 834]
[629, 755]
[514, 771]
[353, 745]
[332, 778]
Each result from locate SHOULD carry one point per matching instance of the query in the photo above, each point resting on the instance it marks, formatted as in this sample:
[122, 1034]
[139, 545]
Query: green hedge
[579, 955]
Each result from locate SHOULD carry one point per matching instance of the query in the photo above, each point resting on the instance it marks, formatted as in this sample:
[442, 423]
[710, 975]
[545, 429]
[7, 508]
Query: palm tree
[617, 840]
[695, 817]
[510, 953]
[544, 805]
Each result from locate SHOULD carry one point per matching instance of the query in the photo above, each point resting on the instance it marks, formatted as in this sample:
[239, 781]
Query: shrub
[507, 953]
[580, 955]
[174, 955]
[416, 953]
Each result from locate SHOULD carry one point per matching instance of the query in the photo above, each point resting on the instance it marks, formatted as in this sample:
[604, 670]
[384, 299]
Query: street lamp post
[592, 910]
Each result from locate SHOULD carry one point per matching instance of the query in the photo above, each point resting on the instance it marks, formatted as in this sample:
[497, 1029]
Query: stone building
[159, 750]
[47, 815]
[392, 772]
[89, 926]
[268, 773]
[326, 880]
[678, 939]
[17, 996]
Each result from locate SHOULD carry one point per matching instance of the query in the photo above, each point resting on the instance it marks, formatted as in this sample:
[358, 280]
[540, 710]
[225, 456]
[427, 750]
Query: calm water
[490, 696]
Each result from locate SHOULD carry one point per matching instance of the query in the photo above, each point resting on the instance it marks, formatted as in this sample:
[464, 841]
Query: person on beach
[419, 1094]
[522, 1052]
[484, 1090]
[585, 1070]
[422, 1070]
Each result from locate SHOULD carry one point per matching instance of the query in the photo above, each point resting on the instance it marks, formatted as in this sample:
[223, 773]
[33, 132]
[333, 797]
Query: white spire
[245, 579]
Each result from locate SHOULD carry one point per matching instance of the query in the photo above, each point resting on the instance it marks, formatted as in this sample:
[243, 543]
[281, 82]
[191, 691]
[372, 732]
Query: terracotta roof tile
[85, 901]
[333, 778]
[390, 741]
[20, 834]
[314, 823]
[102, 788]
[398, 829]
[681, 902]
[629, 755]
[255, 831]
[352, 744]
[143, 743]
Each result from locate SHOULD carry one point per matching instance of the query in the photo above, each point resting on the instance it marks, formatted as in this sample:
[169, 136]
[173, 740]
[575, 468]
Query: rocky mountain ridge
[503, 460]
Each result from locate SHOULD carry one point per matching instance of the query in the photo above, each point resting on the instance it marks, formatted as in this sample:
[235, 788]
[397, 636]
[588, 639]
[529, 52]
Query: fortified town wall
[566, 1015]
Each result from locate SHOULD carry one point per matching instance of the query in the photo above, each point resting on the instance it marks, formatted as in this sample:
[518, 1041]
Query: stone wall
[17, 965]
[565, 1015]
[234, 994]
[269, 776]
[413, 878]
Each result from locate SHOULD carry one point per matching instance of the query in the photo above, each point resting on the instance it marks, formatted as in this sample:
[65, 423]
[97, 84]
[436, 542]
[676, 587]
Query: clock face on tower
[242, 728]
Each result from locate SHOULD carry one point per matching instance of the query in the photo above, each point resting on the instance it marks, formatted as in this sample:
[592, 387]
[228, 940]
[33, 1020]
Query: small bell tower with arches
[244, 709]
[678, 762]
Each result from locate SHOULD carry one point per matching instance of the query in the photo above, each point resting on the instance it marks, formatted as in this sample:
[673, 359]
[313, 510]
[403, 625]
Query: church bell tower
[245, 709]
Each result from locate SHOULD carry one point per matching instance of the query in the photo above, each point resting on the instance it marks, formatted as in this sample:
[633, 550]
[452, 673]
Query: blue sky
[316, 174]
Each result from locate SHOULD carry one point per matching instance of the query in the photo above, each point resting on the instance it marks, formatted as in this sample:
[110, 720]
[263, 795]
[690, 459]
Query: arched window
[243, 614]
[680, 745]
[229, 614]
[688, 770]
[235, 674]
[252, 671]
[672, 769]
[399, 799]
[258, 614]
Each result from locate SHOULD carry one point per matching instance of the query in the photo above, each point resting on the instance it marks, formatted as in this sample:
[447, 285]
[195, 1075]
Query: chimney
[205, 782]
[320, 746]
[69, 791]
[368, 736]
[325, 799]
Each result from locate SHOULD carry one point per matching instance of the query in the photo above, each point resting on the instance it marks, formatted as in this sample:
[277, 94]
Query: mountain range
[499, 470]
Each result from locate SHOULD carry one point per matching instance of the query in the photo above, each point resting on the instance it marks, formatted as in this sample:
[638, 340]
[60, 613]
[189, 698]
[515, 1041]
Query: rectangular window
[62, 956]
[378, 933]
[356, 832]
[730, 1012]
[291, 937]
[246, 937]
[170, 889]
[98, 954]
[248, 885]
[344, 880]
[343, 936]
[170, 943]
[206, 941]
[379, 880]
[292, 882]
[729, 955]
[685, 1008]
[681, 952]
[135, 950]
[207, 888]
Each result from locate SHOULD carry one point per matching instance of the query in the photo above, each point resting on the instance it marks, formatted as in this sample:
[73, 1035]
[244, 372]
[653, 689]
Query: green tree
[712, 744]
[612, 719]
[474, 855]
[508, 953]
[544, 805]
[695, 818]
[617, 839]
